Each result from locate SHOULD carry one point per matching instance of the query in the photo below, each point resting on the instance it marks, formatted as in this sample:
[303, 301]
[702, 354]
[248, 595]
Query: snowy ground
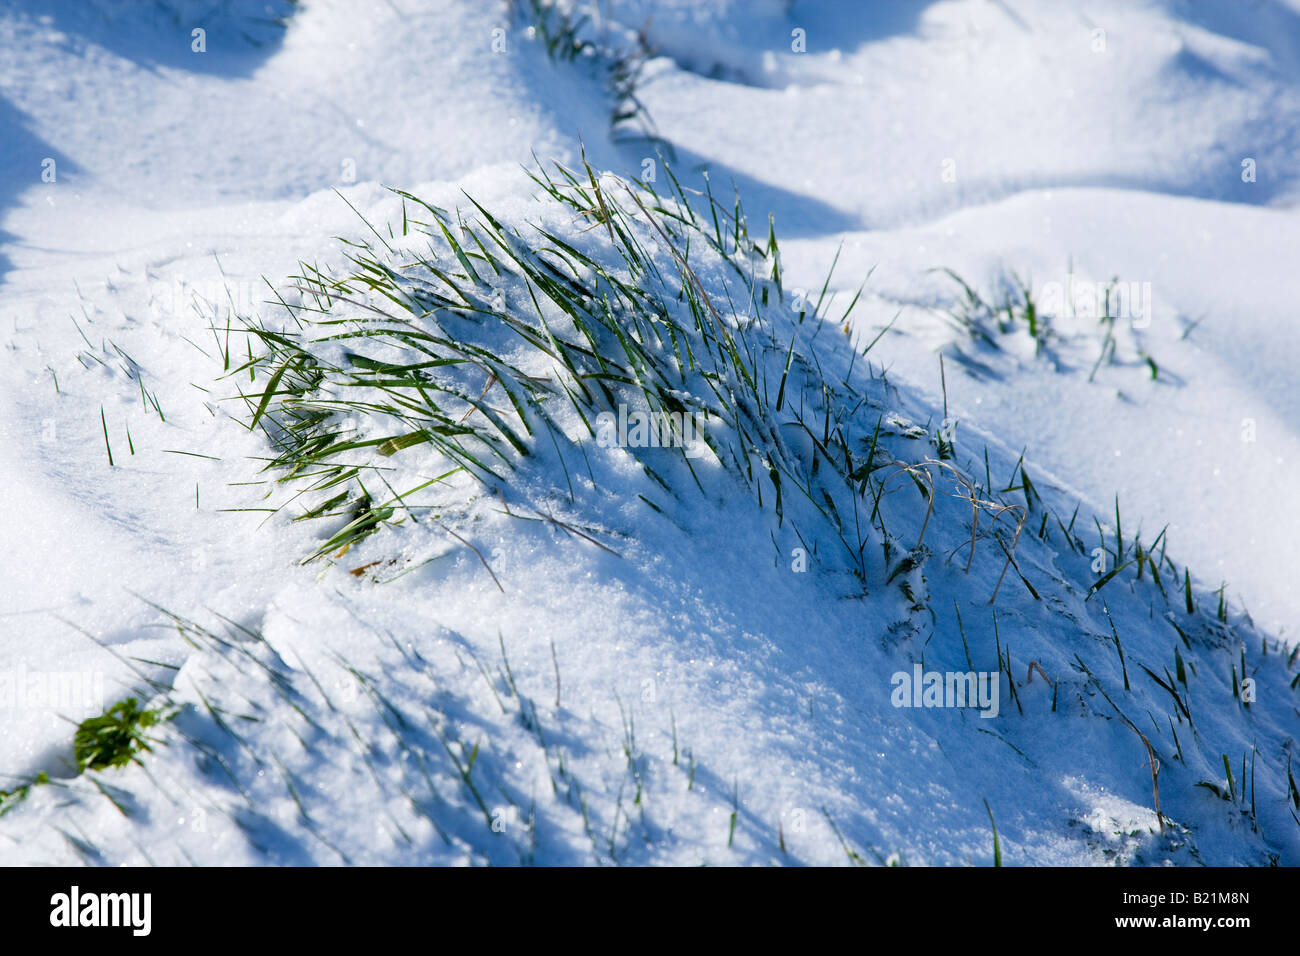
[692, 698]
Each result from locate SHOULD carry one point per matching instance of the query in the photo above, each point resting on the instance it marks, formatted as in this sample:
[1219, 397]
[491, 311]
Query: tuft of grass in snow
[569, 35]
[114, 738]
[452, 358]
[1011, 308]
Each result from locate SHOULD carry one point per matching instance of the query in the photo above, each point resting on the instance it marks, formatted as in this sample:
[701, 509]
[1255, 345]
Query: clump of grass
[114, 738]
[568, 36]
[981, 318]
[448, 361]
[486, 345]
[481, 346]
[1011, 307]
[556, 28]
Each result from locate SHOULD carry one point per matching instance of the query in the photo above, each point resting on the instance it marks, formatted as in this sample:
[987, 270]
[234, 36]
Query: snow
[698, 674]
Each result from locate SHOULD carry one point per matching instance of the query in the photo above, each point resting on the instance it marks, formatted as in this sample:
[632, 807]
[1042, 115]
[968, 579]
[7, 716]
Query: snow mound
[532, 633]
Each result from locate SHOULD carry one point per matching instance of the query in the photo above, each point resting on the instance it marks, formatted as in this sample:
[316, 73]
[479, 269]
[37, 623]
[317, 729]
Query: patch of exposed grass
[1011, 308]
[466, 348]
[569, 35]
[116, 737]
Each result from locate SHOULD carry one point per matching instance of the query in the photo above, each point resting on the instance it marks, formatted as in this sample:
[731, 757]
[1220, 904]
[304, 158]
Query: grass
[112, 739]
[983, 320]
[450, 763]
[418, 377]
[854, 857]
[997, 846]
[569, 36]
[107, 445]
[1119, 648]
[12, 798]
[479, 348]
[735, 813]
[116, 737]
[1011, 309]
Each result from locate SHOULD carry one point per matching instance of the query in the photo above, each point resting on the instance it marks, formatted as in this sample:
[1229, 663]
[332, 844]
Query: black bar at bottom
[335, 906]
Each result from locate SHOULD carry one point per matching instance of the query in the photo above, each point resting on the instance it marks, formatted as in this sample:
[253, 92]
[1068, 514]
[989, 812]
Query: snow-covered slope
[581, 660]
